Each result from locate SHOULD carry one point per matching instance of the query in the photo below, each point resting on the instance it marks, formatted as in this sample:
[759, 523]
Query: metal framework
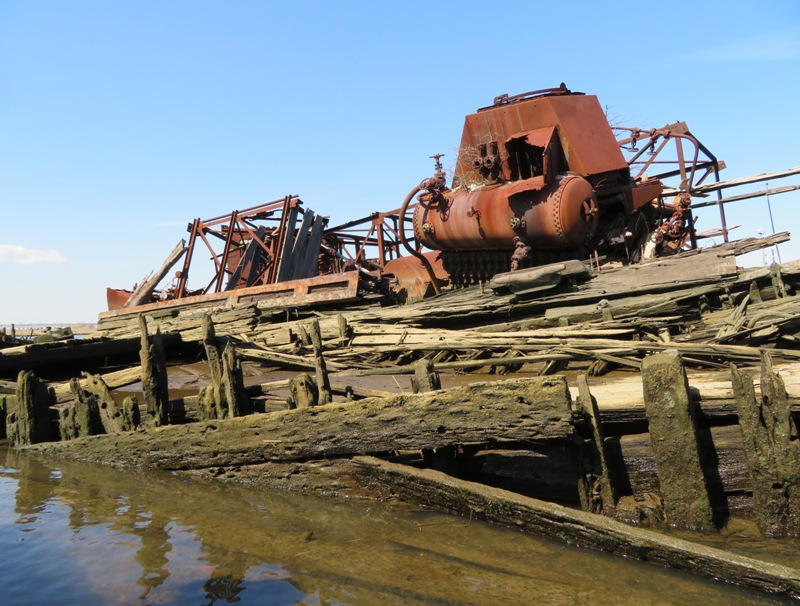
[649, 153]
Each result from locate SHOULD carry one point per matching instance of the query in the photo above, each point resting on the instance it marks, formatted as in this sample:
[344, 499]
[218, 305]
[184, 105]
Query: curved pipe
[402, 233]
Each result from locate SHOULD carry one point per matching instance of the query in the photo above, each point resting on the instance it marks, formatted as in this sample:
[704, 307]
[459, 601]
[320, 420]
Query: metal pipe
[402, 234]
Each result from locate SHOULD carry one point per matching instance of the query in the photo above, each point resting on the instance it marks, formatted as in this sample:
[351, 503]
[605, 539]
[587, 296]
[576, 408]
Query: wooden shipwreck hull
[614, 352]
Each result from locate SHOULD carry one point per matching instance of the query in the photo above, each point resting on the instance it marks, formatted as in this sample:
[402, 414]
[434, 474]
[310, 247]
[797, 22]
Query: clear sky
[121, 121]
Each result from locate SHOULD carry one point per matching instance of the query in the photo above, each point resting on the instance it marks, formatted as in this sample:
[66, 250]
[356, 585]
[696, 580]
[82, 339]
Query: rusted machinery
[540, 178]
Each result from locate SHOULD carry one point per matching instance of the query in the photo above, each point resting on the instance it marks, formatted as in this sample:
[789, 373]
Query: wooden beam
[147, 286]
[435, 489]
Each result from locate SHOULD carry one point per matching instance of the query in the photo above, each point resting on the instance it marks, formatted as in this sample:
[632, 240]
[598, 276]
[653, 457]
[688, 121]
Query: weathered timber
[130, 413]
[345, 332]
[425, 377]
[772, 450]
[154, 374]
[213, 396]
[111, 415]
[598, 489]
[145, 289]
[673, 434]
[527, 410]
[435, 489]
[52, 355]
[323, 383]
[115, 379]
[3, 414]
[82, 416]
[304, 393]
[233, 384]
[33, 416]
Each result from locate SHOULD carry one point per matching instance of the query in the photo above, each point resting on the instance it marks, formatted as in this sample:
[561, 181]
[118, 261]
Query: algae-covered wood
[528, 410]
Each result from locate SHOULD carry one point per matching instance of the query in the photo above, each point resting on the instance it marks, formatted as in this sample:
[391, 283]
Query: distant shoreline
[31, 329]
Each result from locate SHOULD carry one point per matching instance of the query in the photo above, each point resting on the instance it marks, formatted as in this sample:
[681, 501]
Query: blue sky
[122, 121]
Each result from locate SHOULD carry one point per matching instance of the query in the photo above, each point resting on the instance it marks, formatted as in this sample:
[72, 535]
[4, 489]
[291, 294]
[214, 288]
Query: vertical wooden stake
[212, 399]
[154, 373]
[232, 386]
[772, 449]
[304, 391]
[85, 417]
[598, 485]
[673, 435]
[3, 414]
[425, 377]
[323, 383]
[345, 331]
[33, 417]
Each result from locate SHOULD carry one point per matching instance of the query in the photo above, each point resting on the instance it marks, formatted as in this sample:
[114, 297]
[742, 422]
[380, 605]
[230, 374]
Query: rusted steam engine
[540, 178]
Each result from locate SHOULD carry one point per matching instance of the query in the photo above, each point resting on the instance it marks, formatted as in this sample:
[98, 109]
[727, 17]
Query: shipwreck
[648, 380]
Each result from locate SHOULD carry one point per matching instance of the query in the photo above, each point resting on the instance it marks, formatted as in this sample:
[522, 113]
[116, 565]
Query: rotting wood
[33, 420]
[532, 410]
[145, 289]
[3, 414]
[111, 415]
[425, 377]
[233, 384]
[438, 490]
[213, 406]
[322, 381]
[154, 374]
[772, 450]
[82, 416]
[114, 379]
[673, 434]
[304, 393]
[598, 489]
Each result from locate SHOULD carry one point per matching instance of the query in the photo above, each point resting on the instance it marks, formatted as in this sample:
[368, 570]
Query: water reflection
[72, 533]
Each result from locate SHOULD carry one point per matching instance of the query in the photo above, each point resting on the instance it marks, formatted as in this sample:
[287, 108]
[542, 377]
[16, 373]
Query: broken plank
[438, 490]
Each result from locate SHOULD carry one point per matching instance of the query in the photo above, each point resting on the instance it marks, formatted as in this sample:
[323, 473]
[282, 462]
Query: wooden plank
[291, 252]
[534, 410]
[673, 432]
[145, 290]
[435, 489]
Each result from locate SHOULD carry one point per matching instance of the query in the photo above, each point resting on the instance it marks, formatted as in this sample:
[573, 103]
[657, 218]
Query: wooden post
[323, 384]
[345, 332]
[778, 287]
[597, 485]
[82, 418]
[304, 392]
[673, 437]
[755, 293]
[154, 374]
[425, 377]
[3, 414]
[233, 384]
[33, 417]
[771, 448]
[111, 416]
[212, 400]
[130, 413]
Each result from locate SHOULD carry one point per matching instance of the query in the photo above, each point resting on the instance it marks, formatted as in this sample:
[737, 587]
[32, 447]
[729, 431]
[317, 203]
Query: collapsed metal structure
[540, 177]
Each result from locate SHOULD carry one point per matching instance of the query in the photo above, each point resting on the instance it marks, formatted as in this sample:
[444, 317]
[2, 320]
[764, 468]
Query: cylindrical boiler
[556, 216]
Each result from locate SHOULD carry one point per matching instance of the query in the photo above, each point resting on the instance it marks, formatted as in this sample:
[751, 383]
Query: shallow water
[77, 534]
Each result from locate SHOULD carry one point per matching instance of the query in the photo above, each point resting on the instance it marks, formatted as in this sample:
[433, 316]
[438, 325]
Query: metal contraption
[540, 178]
